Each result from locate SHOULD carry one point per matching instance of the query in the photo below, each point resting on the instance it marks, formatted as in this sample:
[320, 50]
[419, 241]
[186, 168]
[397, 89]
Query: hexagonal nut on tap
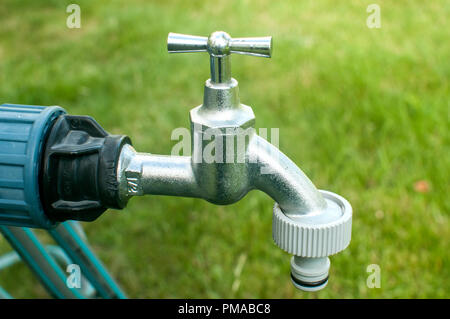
[313, 237]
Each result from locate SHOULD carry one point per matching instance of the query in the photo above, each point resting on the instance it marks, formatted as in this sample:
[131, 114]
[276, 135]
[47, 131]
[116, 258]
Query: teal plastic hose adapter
[55, 167]
[23, 130]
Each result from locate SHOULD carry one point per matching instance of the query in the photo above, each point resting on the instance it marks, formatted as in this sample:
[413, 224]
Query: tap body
[265, 168]
[229, 159]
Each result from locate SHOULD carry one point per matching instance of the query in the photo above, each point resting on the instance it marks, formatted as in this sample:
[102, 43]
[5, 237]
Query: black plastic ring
[308, 284]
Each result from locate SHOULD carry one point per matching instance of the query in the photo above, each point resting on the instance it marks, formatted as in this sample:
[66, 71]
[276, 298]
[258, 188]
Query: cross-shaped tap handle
[220, 45]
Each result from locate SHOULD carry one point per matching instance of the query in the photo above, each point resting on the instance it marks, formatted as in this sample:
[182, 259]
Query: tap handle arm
[183, 43]
[257, 46]
[219, 43]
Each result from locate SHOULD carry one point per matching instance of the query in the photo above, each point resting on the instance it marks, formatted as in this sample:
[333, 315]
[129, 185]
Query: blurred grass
[364, 112]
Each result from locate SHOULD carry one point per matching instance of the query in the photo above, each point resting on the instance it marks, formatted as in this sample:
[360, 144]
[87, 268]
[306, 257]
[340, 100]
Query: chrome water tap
[308, 223]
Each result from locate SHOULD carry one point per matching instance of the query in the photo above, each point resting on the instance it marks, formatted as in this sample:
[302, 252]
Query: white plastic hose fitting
[312, 237]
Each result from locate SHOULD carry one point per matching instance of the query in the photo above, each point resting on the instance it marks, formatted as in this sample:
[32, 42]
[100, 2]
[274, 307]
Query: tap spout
[276, 175]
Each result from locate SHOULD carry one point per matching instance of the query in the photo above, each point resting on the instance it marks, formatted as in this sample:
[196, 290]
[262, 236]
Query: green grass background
[364, 112]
